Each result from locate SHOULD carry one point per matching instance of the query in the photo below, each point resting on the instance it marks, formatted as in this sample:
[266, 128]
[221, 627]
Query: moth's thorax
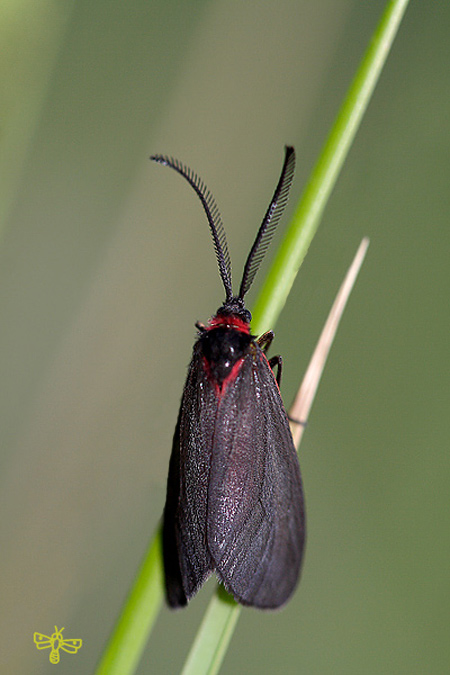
[224, 342]
[231, 321]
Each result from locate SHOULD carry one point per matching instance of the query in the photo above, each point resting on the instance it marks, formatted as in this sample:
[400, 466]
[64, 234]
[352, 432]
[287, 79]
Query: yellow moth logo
[56, 642]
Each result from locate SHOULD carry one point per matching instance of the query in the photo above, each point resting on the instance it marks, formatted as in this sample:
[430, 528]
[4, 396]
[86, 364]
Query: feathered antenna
[213, 215]
[269, 223]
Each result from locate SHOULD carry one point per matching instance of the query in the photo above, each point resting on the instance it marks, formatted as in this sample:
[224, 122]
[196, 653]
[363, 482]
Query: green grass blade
[213, 636]
[307, 215]
[215, 632]
[129, 637]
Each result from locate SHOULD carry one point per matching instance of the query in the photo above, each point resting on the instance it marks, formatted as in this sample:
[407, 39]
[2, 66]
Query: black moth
[234, 501]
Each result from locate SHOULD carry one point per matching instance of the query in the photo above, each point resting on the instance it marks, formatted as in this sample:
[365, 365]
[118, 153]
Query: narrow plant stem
[308, 388]
[129, 637]
[213, 636]
[307, 215]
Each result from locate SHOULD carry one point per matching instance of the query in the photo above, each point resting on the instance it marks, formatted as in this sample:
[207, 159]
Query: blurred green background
[106, 263]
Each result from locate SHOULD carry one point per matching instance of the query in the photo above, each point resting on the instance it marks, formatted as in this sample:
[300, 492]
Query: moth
[234, 502]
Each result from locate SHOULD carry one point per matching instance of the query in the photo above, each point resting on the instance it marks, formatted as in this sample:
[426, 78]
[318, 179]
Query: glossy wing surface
[255, 519]
[187, 561]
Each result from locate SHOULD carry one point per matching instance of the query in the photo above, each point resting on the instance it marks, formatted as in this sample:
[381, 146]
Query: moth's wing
[71, 646]
[175, 594]
[42, 641]
[256, 520]
[187, 562]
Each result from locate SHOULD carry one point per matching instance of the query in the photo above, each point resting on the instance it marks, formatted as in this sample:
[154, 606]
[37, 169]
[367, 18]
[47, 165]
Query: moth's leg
[265, 340]
[278, 362]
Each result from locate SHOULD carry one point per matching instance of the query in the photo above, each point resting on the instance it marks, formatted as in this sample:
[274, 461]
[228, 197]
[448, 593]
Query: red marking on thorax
[232, 376]
[230, 321]
[219, 392]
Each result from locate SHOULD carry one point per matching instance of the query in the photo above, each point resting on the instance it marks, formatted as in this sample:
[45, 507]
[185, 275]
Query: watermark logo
[55, 642]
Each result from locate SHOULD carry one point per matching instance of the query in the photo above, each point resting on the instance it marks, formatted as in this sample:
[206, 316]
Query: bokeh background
[106, 263]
